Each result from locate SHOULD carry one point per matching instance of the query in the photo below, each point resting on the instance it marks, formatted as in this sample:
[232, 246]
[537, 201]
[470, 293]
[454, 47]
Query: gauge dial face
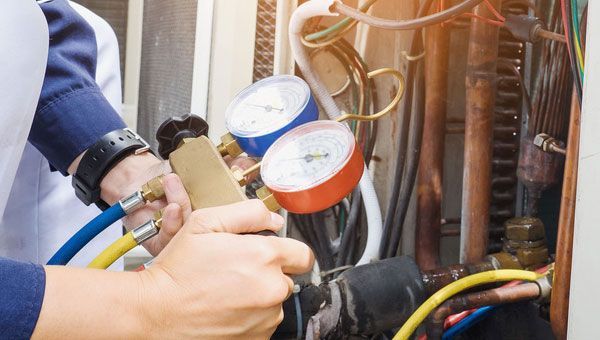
[267, 106]
[307, 156]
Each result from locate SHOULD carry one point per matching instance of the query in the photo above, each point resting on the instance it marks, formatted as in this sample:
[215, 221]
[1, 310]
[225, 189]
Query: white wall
[585, 296]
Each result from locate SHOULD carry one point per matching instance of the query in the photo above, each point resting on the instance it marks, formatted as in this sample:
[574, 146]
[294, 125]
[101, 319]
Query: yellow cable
[114, 252]
[456, 287]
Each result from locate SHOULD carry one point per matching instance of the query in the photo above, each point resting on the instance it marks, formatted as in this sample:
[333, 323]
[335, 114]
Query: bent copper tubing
[502, 295]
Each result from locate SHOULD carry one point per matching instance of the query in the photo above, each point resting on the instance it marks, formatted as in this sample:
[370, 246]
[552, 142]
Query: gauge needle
[267, 108]
[308, 157]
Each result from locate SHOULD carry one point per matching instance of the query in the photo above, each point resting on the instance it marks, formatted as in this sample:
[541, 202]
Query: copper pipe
[438, 278]
[480, 100]
[431, 164]
[559, 304]
[503, 295]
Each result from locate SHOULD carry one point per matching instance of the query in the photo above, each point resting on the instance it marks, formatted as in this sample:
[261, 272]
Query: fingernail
[276, 219]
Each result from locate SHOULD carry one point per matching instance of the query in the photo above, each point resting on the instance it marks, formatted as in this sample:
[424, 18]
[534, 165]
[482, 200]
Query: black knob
[173, 130]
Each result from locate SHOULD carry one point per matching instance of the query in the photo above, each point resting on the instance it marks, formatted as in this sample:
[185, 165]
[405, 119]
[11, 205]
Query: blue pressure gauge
[267, 109]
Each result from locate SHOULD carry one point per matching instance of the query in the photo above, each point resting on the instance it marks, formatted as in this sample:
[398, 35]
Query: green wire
[577, 32]
[338, 26]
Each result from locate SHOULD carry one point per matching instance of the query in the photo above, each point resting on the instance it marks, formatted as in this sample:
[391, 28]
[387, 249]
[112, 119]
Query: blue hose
[86, 234]
[468, 322]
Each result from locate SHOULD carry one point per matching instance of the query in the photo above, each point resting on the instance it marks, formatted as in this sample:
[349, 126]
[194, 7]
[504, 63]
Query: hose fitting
[145, 232]
[153, 189]
[132, 202]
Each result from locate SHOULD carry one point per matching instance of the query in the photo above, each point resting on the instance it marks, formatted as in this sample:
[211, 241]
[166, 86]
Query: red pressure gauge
[313, 167]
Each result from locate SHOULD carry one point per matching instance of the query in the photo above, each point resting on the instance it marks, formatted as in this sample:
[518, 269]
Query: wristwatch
[99, 159]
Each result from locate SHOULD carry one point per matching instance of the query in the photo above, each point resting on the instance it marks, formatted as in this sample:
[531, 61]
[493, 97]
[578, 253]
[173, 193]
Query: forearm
[85, 303]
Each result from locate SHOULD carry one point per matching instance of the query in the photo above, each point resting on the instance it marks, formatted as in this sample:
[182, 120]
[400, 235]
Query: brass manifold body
[206, 177]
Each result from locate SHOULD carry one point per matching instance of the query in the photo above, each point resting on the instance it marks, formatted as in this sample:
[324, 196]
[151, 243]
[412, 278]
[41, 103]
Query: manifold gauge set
[308, 165]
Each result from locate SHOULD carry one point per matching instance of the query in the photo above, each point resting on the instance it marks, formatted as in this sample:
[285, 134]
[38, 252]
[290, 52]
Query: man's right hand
[210, 283]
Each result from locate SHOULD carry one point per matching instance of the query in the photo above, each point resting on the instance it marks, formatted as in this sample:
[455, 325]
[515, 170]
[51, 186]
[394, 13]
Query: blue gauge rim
[257, 146]
[298, 113]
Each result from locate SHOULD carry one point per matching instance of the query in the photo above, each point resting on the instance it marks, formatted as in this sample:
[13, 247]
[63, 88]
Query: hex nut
[153, 189]
[532, 257]
[524, 229]
[265, 195]
[229, 146]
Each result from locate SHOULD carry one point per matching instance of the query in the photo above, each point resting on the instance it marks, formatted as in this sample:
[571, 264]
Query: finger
[172, 220]
[243, 217]
[290, 284]
[243, 163]
[295, 257]
[175, 193]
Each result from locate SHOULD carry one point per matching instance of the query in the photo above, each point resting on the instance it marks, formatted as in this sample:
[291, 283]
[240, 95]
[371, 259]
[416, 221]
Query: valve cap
[172, 131]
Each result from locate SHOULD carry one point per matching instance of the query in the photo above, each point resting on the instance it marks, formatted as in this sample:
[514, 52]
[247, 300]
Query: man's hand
[206, 283]
[210, 283]
[131, 173]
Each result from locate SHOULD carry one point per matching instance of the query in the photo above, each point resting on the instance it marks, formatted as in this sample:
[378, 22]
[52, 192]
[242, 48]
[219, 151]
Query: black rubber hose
[412, 162]
[320, 228]
[415, 49]
[351, 223]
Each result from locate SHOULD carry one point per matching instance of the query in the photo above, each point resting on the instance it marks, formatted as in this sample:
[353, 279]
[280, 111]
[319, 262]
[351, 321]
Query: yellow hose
[114, 252]
[456, 287]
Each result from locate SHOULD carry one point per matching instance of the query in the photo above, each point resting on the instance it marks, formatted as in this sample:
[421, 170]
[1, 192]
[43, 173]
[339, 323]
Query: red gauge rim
[329, 190]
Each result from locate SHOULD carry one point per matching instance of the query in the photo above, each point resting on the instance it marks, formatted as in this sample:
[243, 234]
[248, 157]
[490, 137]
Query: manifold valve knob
[174, 130]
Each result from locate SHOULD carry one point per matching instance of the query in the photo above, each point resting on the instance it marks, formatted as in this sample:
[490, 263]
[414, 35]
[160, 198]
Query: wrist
[80, 303]
[151, 307]
[129, 174]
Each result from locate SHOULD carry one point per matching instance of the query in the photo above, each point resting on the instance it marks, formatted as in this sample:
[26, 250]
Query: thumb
[172, 220]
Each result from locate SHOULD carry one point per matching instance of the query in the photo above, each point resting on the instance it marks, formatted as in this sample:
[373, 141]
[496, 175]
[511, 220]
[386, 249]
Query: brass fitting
[229, 146]
[524, 229]
[549, 144]
[504, 261]
[532, 257]
[153, 189]
[266, 196]
[239, 176]
[525, 239]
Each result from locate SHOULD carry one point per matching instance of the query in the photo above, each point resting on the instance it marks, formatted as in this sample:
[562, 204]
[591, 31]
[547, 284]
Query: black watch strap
[100, 158]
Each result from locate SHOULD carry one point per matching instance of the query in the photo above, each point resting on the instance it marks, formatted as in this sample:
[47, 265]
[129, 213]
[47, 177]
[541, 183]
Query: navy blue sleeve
[72, 113]
[21, 297]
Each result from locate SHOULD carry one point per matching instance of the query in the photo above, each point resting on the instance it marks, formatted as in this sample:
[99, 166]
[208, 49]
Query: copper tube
[431, 163]
[438, 278]
[542, 33]
[559, 304]
[480, 100]
[502, 295]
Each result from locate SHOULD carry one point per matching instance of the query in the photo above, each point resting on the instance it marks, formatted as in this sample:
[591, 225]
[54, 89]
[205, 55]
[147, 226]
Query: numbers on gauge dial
[308, 159]
[268, 107]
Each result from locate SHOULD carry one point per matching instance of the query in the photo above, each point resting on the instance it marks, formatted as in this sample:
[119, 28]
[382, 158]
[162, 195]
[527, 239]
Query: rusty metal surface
[538, 171]
[431, 163]
[477, 174]
[559, 304]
